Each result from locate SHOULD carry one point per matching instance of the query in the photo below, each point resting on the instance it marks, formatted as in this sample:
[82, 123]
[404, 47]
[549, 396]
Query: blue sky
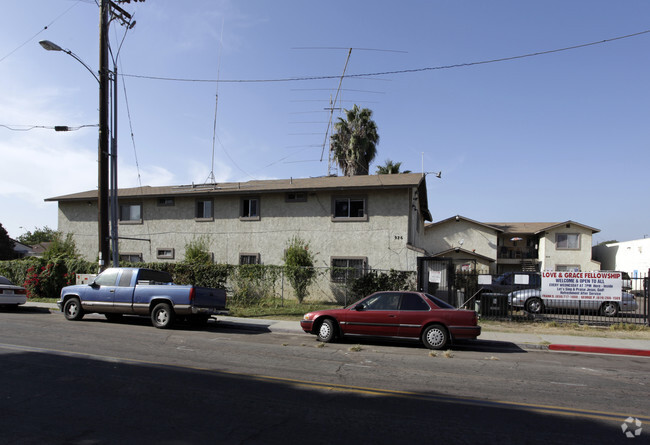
[547, 138]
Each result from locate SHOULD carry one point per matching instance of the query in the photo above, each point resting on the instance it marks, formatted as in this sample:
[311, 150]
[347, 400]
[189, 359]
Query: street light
[102, 201]
[51, 46]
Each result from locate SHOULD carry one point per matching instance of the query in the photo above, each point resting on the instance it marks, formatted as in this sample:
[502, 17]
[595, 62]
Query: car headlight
[308, 316]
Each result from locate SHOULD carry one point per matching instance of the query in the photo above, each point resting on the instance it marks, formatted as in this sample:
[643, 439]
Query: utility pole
[102, 200]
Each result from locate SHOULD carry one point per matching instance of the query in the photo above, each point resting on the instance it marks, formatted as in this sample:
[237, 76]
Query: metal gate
[436, 277]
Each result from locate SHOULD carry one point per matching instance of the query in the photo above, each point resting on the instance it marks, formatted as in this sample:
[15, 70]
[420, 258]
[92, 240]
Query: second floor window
[349, 208]
[250, 208]
[567, 241]
[130, 213]
[204, 209]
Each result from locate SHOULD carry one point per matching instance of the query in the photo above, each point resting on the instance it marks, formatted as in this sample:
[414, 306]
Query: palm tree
[354, 141]
[390, 168]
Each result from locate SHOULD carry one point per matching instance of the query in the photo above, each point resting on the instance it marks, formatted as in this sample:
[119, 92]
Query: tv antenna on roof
[211, 179]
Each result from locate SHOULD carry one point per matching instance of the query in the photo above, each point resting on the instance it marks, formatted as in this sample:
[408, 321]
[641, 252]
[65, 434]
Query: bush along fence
[247, 285]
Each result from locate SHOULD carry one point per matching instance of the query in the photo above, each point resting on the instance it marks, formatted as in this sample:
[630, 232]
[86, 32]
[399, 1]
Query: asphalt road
[95, 382]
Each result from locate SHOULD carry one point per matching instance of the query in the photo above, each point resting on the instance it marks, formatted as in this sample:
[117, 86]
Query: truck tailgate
[208, 297]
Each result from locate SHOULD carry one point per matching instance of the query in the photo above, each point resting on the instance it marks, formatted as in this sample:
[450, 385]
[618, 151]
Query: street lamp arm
[51, 46]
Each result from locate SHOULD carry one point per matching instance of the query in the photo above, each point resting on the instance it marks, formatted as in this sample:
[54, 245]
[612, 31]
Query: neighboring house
[632, 256]
[22, 250]
[371, 221]
[505, 247]
[40, 248]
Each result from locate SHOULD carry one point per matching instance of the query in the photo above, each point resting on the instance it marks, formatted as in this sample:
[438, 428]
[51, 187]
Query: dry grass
[620, 330]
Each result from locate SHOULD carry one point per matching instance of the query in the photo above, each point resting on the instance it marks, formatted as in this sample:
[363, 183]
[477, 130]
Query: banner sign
[593, 286]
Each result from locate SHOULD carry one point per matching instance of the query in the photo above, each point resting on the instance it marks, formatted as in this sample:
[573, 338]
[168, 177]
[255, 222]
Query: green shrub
[299, 267]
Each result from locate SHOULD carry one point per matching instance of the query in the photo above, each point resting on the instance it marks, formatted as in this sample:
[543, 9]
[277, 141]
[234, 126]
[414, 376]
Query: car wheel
[72, 309]
[535, 305]
[162, 316]
[435, 337]
[327, 331]
[609, 309]
[113, 317]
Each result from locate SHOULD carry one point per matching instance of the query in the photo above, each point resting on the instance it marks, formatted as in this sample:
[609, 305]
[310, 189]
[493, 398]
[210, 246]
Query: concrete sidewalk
[492, 340]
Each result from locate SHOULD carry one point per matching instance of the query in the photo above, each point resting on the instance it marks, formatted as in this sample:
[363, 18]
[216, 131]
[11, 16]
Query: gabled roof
[325, 183]
[462, 218]
[464, 251]
[536, 227]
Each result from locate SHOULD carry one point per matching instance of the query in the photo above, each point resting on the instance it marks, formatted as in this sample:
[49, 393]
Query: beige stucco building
[374, 221]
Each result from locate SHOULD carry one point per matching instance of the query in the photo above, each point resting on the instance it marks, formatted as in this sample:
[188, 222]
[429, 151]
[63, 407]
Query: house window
[567, 268]
[130, 257]
[165, 253]
[296, 197]
[204, 211]
[249, 258]
[250, 209]
[131, 213]
[344, 269]
[567, 241]
[349, 208]
[165, 202]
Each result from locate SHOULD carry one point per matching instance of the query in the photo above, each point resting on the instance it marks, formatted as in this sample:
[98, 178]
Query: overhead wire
[385, 73]
[42, 30]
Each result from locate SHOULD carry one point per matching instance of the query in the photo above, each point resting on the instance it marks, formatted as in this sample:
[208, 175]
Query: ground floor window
[129, 257]
[249, 258]
[344, 269]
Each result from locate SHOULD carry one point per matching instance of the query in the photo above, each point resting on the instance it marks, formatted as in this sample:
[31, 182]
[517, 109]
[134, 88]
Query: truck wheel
[72, 309]
[435, 337]
[162, 316]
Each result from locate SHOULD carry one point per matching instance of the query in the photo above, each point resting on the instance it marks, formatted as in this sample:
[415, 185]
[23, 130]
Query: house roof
[462, 218]
[536, 227]
[464, 251]
[325, 183]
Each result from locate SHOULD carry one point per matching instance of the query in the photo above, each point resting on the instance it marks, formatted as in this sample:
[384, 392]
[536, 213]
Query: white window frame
[565, 242]
[246, 209]
[200, 202]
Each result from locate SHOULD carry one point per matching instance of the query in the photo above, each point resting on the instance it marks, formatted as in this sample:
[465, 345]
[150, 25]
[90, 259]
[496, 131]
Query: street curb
[600, 350]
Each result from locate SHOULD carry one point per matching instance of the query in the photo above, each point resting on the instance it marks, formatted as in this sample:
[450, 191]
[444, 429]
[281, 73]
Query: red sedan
[396, 314]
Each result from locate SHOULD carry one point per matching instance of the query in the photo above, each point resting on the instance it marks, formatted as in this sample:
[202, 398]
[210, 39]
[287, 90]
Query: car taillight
[192, 294]
[20, 291]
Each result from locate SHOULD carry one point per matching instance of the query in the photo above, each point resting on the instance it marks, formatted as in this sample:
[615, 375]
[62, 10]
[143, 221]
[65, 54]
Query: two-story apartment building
[502, 247]
[374, 221]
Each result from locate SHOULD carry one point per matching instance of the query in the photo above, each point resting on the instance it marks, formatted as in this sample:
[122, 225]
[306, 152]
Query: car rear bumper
[13, 299]
[466, 332]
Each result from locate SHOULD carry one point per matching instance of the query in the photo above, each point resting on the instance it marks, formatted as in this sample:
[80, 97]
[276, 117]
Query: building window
[567, 241]
[249, 258]
[130, 213]
[165, 253]
[129, 257]
[250, 209]
[296, 197]
[349, 209]
[567, 268]
[204, 210]
[165, 202]
[345, 269]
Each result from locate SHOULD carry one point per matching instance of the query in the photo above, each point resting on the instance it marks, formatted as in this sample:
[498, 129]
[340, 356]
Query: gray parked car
[531, 300]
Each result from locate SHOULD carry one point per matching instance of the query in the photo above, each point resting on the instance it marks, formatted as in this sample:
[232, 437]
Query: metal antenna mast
[329, 123]
[211, 179]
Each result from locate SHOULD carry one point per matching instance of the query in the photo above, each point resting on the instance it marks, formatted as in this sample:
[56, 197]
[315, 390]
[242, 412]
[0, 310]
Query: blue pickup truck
[132, 291]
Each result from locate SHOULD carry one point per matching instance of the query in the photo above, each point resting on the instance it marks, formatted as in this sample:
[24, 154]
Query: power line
[44, 28]
[385, 73]
[46, 127]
